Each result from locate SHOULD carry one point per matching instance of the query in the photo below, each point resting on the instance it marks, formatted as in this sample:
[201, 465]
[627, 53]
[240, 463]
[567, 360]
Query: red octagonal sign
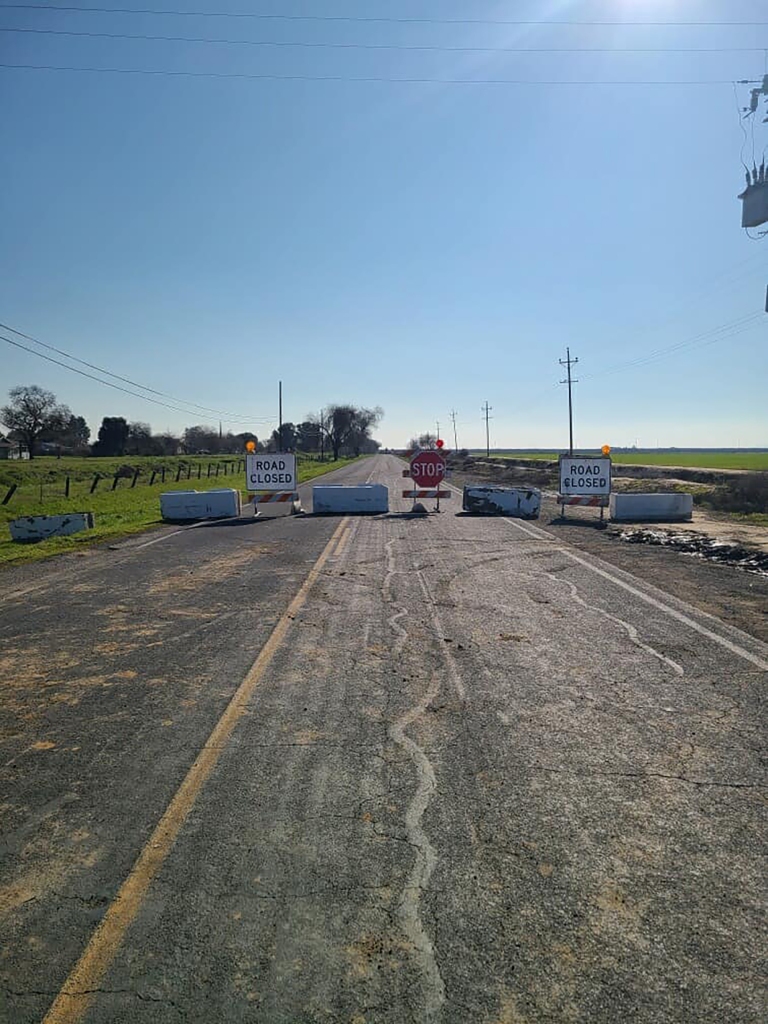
[427, 469]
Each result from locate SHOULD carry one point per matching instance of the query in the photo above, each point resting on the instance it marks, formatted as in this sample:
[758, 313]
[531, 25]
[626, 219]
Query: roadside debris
[700, 546]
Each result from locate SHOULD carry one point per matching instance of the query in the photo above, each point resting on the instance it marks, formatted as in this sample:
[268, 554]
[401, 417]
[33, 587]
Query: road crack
[630, 629]
[425, 857]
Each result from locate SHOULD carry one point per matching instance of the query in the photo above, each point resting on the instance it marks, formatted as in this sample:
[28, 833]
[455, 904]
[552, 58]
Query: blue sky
[421, 246]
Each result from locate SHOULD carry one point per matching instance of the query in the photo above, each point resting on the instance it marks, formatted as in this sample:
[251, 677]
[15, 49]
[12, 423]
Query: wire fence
[69, 485]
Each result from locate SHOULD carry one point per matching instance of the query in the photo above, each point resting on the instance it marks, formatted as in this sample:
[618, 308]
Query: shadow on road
[591, 524]
[223, 524]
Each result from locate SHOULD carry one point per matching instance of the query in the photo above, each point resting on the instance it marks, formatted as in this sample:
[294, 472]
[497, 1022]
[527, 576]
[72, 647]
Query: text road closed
[585, 476]
[271, 472]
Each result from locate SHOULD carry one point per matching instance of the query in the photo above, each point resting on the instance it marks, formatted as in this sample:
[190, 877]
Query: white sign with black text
[582, 474]
[270, 471]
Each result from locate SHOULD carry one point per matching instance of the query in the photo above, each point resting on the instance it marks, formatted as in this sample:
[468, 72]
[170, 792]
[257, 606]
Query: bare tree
[32, 413]
[348, 425]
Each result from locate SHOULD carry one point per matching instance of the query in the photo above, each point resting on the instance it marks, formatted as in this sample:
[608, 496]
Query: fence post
[10, 493]
[199, 469]
[189, 470]
[162, 472]
[178, 474]
[135, 477]
[66, 488]
[217, 469]
[95, 483]
[210, 467]
[115, 481]
[152, 478]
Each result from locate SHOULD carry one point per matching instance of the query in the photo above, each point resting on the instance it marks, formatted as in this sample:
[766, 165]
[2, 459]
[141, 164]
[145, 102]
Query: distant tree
[308, 436]
[165, 444]
[284, 439]
[77, 433]
[32, 414]
[55, 433]
[239, 441]
[424, 441]
[201, 438]
[139, 440]
[113, 436]
[349, 426]
[360, 441]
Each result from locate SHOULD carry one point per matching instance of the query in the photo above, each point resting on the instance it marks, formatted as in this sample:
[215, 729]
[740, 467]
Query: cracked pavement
[478, 781]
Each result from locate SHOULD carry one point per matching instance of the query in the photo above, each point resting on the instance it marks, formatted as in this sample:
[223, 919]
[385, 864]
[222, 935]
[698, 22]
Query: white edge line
[686, 620]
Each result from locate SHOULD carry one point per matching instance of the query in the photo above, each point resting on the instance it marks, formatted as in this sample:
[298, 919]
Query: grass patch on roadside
[119, 513]
[752, 519]
[746, 494]
[755, 461]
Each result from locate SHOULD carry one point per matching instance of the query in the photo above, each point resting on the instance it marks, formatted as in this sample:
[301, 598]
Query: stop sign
[427, 469]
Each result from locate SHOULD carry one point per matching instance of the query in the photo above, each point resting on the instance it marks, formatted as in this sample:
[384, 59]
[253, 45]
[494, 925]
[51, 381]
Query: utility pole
[437, 428]
[570, 382]
[322, 436]
[280, 413]
[455, 440]
[486, 409]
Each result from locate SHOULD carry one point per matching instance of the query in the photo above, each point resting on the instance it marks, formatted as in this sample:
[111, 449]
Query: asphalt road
[375, 770]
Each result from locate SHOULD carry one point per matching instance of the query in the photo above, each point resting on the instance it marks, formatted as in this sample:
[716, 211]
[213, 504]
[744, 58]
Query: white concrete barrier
[34, 528]
[519, 502]
[660, 508]
[329, 499]
[219, 504]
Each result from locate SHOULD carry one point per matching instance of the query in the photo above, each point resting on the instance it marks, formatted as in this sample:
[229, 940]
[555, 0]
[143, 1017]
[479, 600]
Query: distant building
[11, 450]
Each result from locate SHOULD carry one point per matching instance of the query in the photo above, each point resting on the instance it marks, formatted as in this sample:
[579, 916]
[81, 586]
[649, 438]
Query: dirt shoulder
[731, 594]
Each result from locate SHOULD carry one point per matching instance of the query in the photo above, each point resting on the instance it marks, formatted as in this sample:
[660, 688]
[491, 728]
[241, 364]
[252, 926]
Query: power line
[146, 37]
[486, 409]
[370, 19]
[716, 334]
[127, 380]
[164, 72]
[109, 384]
[570, 381]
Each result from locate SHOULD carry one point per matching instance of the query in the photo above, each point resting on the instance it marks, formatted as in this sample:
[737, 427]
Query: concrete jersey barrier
[518, 502]
[218, 504]
[660, 508]
[329, 499]
[33, 528]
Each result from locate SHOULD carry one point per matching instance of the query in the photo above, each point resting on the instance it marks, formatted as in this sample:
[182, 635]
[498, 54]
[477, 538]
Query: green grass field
[691, 460]
[121, 512]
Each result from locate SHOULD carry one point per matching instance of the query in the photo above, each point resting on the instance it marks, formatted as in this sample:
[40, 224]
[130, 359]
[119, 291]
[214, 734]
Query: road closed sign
[270, 471]
[581, 474]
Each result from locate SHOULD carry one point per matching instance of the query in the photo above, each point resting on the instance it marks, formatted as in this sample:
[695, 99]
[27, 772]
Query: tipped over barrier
[517, 502]
[30, 529]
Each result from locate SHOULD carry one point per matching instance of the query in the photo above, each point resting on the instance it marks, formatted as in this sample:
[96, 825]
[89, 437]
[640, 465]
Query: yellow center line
[77, 991]
[343, 541]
